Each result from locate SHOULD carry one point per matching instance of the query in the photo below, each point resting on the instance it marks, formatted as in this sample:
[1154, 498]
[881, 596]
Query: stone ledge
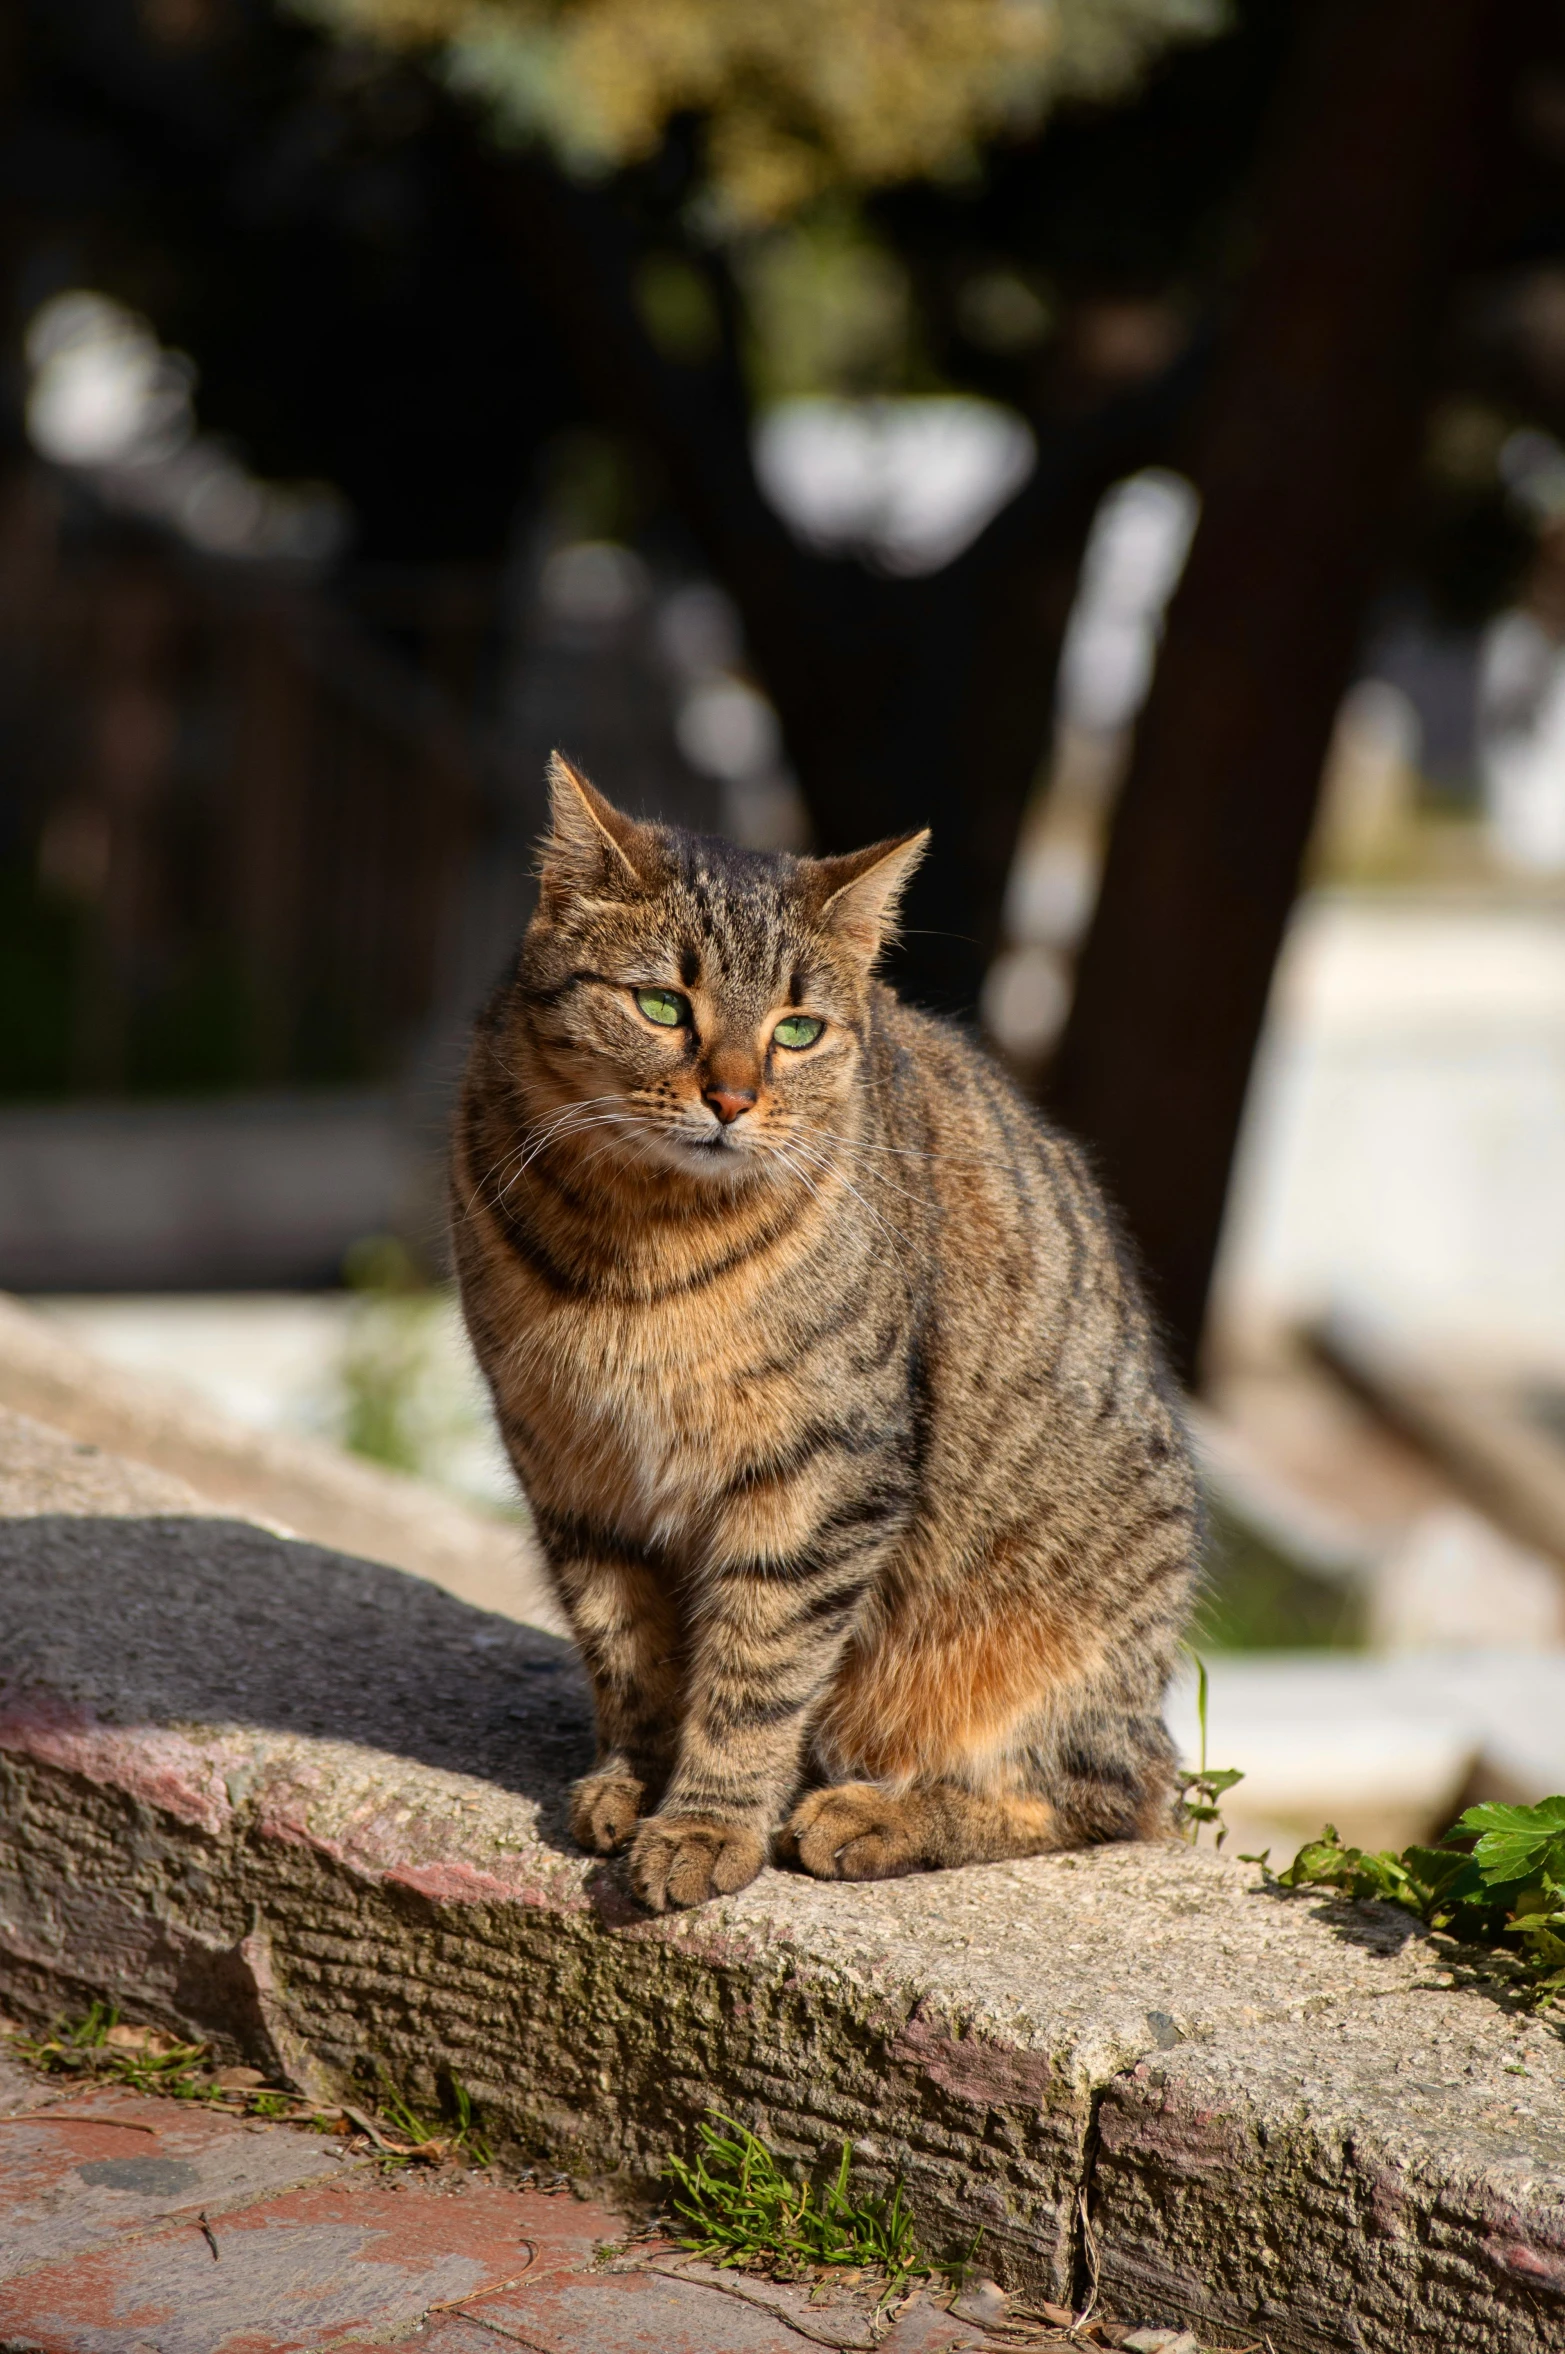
[314, 1807]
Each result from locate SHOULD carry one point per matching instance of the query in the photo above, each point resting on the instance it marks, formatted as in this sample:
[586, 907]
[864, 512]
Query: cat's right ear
[860, 893]
[592, 850]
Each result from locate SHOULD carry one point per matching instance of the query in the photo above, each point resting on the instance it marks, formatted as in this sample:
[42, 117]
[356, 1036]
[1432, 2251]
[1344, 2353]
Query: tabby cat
[837, 1406]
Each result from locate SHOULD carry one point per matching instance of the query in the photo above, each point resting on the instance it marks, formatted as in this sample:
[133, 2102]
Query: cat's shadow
[176, 1622]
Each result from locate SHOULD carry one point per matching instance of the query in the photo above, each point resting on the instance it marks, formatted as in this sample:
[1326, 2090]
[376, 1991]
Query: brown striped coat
[836, 1403]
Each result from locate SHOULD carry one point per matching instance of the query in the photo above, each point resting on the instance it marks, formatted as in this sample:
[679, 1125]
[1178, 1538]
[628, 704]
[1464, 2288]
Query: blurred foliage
[301, 215]
[1258, 1599]
[384, 1361]
[677, 308]
[799, 95]
[830, 309]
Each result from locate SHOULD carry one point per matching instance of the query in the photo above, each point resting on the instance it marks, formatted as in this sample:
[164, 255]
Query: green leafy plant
[1199, 1792]
[741, 2209]
[1497, 1879]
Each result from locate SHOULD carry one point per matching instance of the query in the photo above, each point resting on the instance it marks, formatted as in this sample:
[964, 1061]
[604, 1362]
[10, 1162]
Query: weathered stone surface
[315, 1808]
[319, 2266]
[314, 2247]
[84, 2173]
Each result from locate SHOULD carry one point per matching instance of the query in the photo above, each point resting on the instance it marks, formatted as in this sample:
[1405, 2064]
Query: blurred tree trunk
[1308, 442]
[902, 701]
[13, 438]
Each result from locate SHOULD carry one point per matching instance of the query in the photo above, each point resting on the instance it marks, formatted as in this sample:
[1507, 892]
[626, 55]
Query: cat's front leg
[608, 1803]
[627, 1631]
[770, 1635]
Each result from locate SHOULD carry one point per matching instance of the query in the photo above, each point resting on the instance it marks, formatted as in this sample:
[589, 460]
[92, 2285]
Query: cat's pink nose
[729, 1102]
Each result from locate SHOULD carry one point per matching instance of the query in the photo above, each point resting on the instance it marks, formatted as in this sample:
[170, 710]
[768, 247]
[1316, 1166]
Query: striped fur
[841, 1418]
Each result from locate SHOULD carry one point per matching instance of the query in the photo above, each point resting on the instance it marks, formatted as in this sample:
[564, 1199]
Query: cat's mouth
[716, 1149]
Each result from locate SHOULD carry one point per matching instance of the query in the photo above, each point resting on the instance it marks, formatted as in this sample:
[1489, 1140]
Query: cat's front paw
[855, 1831]
[605, 1809]
[684, 1859]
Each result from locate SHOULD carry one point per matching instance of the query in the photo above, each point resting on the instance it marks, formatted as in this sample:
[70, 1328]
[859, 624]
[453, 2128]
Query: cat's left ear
[591, 849]
[860, 892]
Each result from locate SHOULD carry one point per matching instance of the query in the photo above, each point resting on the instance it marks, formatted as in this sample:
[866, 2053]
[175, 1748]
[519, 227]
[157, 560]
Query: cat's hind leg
[863, 1831]
[1110, 1773]
[1101, 1774]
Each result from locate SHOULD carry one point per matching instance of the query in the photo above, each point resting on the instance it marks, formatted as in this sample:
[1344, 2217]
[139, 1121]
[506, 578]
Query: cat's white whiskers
[802, 1176]
[903, 1151]
[525, 1150]
[640, 1134]
[878, 1175]
[893, 1233]
[572, 1121]
[602, 1120]
[542, 1131]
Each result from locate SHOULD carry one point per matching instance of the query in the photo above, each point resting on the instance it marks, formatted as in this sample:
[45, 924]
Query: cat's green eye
[797, 1030]
[664, 1006]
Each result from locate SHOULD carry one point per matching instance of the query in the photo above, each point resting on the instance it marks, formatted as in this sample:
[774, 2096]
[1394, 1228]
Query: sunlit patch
[945, 1687]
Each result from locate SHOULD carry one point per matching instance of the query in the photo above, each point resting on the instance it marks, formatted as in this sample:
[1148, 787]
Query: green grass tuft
[153, 2063]
[741, 2209]
[432, 2137]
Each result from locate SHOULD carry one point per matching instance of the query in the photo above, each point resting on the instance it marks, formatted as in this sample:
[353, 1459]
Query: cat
[838, 1408]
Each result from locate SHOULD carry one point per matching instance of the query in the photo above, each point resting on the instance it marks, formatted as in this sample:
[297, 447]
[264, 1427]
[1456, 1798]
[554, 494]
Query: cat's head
[701, 1007]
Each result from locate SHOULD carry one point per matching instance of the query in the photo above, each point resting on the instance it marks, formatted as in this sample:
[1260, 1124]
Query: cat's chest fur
[648, 1409]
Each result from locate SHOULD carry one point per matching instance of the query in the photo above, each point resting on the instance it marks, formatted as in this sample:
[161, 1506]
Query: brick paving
[136, 2225]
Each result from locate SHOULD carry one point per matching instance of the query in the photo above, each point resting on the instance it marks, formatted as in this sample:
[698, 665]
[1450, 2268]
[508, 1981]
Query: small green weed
[1496, 1879]
[144, 2059]
[1199, 1792]
[429, 2139]
[741, 2209]
[138, 2057]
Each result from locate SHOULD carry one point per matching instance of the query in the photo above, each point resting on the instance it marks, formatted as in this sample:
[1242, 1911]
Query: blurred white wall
[1404, 1145]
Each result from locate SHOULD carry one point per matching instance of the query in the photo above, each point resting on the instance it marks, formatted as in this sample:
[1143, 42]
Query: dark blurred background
[392, 392]
[1129, 438]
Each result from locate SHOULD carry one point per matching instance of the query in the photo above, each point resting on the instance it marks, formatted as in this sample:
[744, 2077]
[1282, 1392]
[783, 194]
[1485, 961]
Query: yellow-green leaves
[799, 97]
